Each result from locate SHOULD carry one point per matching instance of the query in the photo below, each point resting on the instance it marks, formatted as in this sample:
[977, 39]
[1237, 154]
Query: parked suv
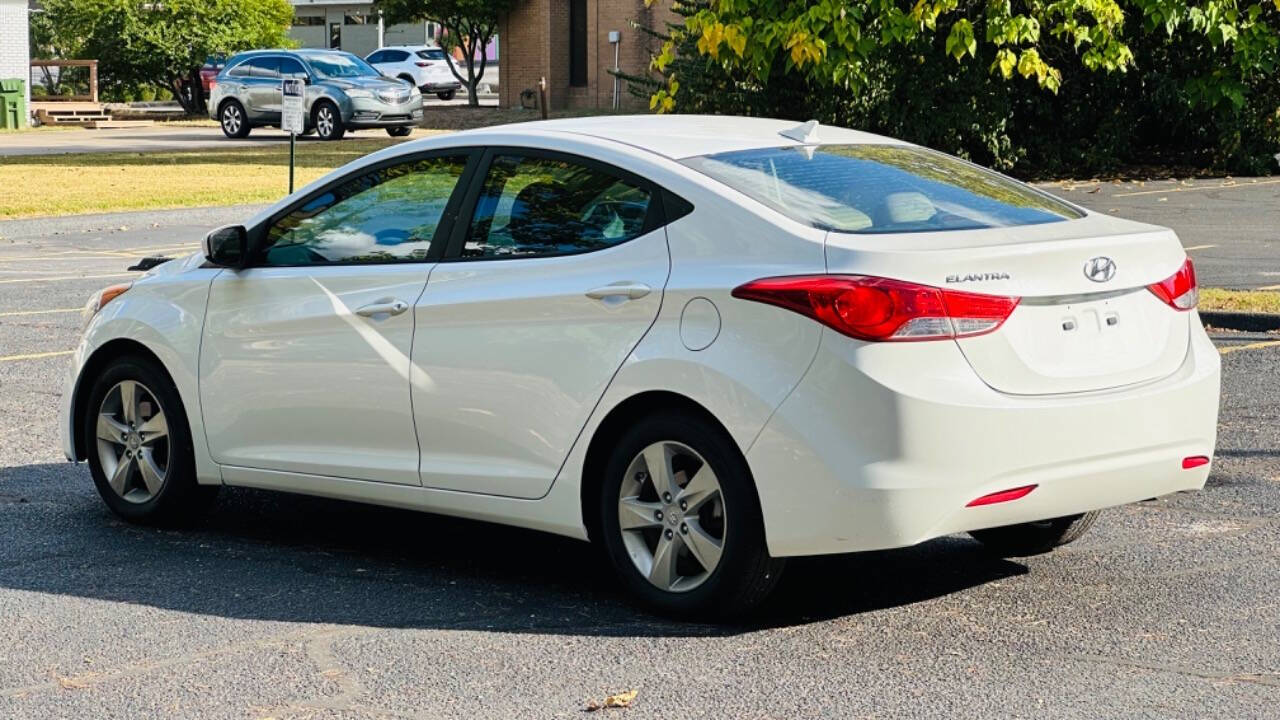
[343, 93]
[422, 66]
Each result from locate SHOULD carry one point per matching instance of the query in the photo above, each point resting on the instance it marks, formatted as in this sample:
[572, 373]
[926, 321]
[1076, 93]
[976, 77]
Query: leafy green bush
[1071, 87]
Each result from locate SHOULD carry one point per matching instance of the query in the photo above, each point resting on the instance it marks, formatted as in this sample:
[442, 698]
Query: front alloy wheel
[671, 516]
[133, 442]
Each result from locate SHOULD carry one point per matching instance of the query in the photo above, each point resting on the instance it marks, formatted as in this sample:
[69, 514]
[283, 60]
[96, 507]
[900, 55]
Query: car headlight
[101, 298]
[359, 93]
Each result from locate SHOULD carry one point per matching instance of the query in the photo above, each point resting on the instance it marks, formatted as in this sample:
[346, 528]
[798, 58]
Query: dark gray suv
[343, 93]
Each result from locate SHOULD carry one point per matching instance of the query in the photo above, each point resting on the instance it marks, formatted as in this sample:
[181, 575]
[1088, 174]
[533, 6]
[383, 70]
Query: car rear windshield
[431, 54]
[340, 65]
[880, 188]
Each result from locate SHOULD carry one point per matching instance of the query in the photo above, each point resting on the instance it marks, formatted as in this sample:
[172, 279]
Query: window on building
[578, 43]
[308, 21]
[355, 17]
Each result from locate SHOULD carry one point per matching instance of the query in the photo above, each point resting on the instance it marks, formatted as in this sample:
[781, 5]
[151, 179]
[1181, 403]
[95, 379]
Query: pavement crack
[1268, 679]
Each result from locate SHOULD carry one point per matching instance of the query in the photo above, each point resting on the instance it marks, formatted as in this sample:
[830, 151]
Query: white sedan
[706, 343]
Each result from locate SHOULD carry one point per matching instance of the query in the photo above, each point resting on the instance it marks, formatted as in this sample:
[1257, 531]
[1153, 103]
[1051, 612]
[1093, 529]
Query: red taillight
[1194, 461]
[422, 63]
[1179, 291]
[874, 308]
[1002, 496]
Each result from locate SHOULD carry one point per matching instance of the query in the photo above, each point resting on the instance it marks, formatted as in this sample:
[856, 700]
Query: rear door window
[881, 188]
[538, 207]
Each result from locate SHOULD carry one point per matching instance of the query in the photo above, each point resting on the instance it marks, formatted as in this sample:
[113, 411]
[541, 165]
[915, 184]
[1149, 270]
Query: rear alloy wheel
[328, 122]
[139, 445]
[1034, 538]
[399, 131]
[234, 122]
[681, 523]
[447, 95]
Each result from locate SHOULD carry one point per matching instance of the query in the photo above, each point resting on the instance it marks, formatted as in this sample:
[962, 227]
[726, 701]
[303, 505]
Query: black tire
[447, 95]
[330, 126]
[399, 131]
[234, 121]
[180, 498]
[745, 573]
[1034, 538]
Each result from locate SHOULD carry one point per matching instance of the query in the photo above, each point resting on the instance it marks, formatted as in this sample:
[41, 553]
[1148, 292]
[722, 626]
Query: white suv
[423, 66]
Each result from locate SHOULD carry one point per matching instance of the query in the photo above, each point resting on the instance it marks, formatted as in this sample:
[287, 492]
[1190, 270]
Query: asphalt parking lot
[292, 607]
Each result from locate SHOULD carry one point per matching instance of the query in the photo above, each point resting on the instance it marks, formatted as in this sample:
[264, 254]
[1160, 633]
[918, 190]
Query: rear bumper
[882, 445]
[440, 86]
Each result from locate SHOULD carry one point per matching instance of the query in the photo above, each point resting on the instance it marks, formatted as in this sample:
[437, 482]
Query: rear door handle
[386, 306]
[629, 290]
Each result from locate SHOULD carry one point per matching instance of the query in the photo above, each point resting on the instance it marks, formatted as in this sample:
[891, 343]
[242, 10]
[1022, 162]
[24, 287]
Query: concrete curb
[1245, 321]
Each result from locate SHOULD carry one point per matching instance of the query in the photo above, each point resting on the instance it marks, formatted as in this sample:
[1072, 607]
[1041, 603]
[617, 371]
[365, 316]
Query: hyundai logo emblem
[1100, 269]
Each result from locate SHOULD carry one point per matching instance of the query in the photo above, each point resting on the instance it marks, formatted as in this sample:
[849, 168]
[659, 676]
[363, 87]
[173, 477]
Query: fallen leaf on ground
[620, 700]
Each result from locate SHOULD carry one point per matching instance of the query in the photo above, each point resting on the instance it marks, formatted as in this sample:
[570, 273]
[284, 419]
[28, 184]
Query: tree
[163, 44]
[468, 25]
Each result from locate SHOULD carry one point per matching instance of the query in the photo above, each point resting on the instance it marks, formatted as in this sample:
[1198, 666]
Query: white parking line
[1183, 188]
[1199, 247]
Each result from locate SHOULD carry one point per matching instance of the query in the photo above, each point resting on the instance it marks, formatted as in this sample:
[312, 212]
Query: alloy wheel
[672, 517]
[231, 119]
[133, 441]
[324, 121]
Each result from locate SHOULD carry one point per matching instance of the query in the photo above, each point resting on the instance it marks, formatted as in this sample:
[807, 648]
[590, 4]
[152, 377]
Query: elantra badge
[978, 277]
[1100, 269]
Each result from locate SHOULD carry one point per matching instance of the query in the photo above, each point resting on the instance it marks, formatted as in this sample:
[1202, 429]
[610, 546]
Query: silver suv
[343, 93]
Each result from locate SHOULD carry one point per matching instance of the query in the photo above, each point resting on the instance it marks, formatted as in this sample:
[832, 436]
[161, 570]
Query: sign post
[292, 115]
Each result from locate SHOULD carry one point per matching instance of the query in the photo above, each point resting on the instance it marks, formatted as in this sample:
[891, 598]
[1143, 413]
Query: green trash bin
[13, 104]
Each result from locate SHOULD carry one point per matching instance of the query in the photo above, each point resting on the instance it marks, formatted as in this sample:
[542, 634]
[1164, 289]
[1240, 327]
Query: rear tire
[234, 121]
[141, 459]
[1034, 538]
[447, 95]
[712, 519]
[327, 120]
[399, 131]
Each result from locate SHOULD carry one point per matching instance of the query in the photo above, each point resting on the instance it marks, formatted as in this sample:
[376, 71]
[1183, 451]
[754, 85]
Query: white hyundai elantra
[706, 343]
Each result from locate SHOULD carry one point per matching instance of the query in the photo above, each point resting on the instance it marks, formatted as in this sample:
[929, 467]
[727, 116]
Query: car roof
[408, 47]
[683, 136]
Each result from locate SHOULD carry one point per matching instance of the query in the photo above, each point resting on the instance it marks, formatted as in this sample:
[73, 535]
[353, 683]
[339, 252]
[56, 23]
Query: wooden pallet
[84, 114]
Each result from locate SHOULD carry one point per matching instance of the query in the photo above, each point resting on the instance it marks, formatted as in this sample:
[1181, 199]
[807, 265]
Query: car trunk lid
[1070, 332]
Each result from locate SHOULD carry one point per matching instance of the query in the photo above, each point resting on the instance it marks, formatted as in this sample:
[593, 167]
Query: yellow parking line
[35, 356]
[65, 277]
[15, 313]
[1249, 346]
[1183, 188]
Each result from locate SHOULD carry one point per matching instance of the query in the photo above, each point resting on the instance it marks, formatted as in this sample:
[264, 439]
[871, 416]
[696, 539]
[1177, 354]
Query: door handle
[386, 306]
[629, 290]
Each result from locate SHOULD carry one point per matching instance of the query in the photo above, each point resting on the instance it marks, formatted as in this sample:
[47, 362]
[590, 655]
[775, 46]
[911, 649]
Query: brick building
[15, 58]
[568, 43]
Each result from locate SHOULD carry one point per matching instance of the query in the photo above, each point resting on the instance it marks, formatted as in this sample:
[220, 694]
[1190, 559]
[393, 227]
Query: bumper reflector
[1002, 496]
[1194, 461]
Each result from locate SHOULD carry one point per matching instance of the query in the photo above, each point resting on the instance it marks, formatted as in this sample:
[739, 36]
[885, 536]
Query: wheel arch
[100, 359]
[615, 423]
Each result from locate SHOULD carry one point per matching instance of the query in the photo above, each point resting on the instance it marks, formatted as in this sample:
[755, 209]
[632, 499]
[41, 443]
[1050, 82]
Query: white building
[351, 26]
[15, 52]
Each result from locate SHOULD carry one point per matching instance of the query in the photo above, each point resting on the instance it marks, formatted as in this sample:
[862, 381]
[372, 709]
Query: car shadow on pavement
[269, 556]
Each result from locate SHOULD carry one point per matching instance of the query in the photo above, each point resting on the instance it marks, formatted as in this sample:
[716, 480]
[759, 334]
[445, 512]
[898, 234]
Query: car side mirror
[227, 246]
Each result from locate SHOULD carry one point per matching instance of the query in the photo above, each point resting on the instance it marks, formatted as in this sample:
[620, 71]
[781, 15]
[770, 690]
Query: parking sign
[292, 114]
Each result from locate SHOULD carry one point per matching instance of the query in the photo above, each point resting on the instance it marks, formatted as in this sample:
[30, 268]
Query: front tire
[447, 95]
[234, 121]
[1034, 538]
[327, 121]
[399, 131]
[680, 520]
[139, 445]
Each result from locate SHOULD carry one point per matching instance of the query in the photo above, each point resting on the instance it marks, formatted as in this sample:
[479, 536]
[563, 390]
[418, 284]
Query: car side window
[535, 206]
[376, 57]
[244, 69]
[384, 216]
[397, 56]
[291, 68]
[265, 67]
